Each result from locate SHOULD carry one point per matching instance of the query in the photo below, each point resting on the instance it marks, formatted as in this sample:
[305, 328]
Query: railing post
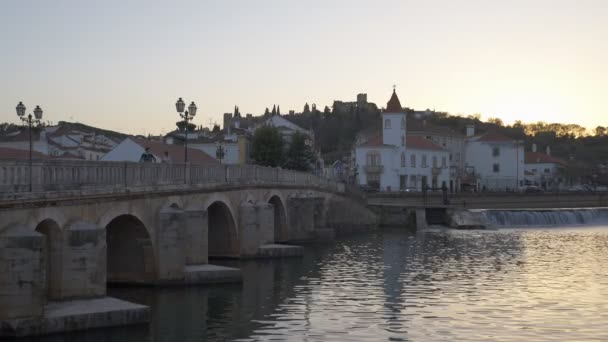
[125, 175]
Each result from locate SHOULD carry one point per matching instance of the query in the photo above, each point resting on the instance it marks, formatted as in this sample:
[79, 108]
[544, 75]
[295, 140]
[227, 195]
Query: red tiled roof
[176, 152]
[17, 154]
[374, 141]
[393, 105]
[421, 126]
[421, 143]
[541, 158]
[494, 137]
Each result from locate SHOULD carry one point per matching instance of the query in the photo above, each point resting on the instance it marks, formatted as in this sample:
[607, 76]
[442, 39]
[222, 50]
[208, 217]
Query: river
[532, 284]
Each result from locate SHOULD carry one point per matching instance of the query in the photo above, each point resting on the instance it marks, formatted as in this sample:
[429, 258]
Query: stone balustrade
[62, 175]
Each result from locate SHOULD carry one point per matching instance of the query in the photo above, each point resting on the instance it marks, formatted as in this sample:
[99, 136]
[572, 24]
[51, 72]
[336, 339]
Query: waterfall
[544, 217]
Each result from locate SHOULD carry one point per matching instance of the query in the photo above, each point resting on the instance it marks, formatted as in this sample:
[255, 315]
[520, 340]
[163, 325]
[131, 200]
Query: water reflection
[505, 285]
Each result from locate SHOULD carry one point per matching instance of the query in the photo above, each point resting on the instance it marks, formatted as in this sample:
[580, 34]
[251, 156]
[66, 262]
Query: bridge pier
[195, 242]
[67, 267]
[170, 258]
[22, 280]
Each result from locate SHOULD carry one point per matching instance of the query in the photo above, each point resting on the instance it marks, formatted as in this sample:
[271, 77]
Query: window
[373, 159]
[547, 170]
[387, 123]
[423, 160]
[403, 140]
[413, 161]
[443, 162]
[434, 161]
[402, 159]
[403, 123]
[450, 157]
[495, 151]
[496, 168]
[403, 182]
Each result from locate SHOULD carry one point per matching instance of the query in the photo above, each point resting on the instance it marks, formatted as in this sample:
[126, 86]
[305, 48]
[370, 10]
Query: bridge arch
[281, 231]
[52, 256]
[223, 239]
[130, 252]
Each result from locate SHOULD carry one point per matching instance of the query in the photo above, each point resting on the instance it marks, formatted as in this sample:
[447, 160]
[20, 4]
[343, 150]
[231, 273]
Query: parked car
[368, 189]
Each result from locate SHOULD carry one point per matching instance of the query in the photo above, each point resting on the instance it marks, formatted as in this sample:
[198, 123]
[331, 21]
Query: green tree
[267, 146]
[299, 156]
[600, 131]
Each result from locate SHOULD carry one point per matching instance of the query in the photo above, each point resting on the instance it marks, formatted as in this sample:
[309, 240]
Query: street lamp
[187, 116]
[220, 152]
[29, 120]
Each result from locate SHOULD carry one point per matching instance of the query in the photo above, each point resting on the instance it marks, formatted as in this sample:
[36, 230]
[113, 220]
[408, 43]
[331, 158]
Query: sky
[121, 65]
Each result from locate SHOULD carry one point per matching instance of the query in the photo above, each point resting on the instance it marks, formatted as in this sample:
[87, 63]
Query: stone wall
[346, 216]
[494, 200]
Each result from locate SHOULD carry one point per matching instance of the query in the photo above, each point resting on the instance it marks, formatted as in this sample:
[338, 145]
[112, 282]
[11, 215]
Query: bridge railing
[58, 175]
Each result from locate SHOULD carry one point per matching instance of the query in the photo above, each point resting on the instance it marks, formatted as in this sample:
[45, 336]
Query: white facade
[391, 161]
[127, 150]
[231, 151]
[496, 162]
[545, 171]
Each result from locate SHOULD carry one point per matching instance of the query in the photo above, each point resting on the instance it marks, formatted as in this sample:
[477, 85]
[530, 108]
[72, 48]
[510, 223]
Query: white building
[391, 161]
[287, 129]
[494, 162]
[544, 170]
[64, 141]
[131, 149]
[447, 138]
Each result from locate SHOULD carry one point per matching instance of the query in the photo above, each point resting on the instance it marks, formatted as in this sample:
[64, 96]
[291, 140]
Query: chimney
[470, 130]
[548, 150]
[534, 147]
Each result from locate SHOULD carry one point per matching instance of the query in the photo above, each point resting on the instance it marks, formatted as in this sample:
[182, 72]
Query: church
[390, 160]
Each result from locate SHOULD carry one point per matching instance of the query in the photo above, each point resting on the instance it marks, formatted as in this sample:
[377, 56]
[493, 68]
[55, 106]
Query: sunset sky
[121, 65]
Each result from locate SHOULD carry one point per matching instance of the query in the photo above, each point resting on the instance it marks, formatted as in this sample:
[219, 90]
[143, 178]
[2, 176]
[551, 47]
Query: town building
[544, 170]
[391, 160]
[493, 162]
[447, 138]
[132, 148]
[64, 141]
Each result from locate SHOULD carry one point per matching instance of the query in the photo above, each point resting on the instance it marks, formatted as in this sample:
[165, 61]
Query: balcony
[374, 168]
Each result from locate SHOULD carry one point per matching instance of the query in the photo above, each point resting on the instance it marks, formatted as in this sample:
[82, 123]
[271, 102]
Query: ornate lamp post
[220, 151]
[187, 116]
[29, 120]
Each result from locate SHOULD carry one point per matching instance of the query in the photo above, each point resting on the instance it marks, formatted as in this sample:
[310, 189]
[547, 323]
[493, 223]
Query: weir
[545, 217]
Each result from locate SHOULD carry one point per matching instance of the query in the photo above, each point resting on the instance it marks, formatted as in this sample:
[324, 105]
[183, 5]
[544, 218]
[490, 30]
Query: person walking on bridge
[147, 157]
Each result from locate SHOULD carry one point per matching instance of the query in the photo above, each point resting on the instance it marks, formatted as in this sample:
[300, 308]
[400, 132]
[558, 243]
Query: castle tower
[393, 122]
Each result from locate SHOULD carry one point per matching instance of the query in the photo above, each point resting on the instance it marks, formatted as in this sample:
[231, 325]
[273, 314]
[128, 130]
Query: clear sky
[122, 64]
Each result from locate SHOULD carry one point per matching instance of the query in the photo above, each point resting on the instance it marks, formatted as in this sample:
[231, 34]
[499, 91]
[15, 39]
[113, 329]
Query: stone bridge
[86, 224]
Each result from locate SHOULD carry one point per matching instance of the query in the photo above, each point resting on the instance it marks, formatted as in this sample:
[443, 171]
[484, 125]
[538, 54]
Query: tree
[278, 110]
[267, 146]
[274, 109]
[216, 128]
[266, 112]
[299, 156]
[182, 124]
[600, 131]
[495, 121]
[306, 108]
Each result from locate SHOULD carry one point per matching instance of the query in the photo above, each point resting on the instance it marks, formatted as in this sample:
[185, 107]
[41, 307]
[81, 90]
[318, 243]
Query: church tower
[393, 122]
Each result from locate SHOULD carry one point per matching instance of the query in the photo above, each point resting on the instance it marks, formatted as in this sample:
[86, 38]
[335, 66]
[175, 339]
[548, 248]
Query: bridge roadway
[86, 224]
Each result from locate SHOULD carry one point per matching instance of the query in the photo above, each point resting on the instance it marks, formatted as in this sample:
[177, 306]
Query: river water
[533, 284]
